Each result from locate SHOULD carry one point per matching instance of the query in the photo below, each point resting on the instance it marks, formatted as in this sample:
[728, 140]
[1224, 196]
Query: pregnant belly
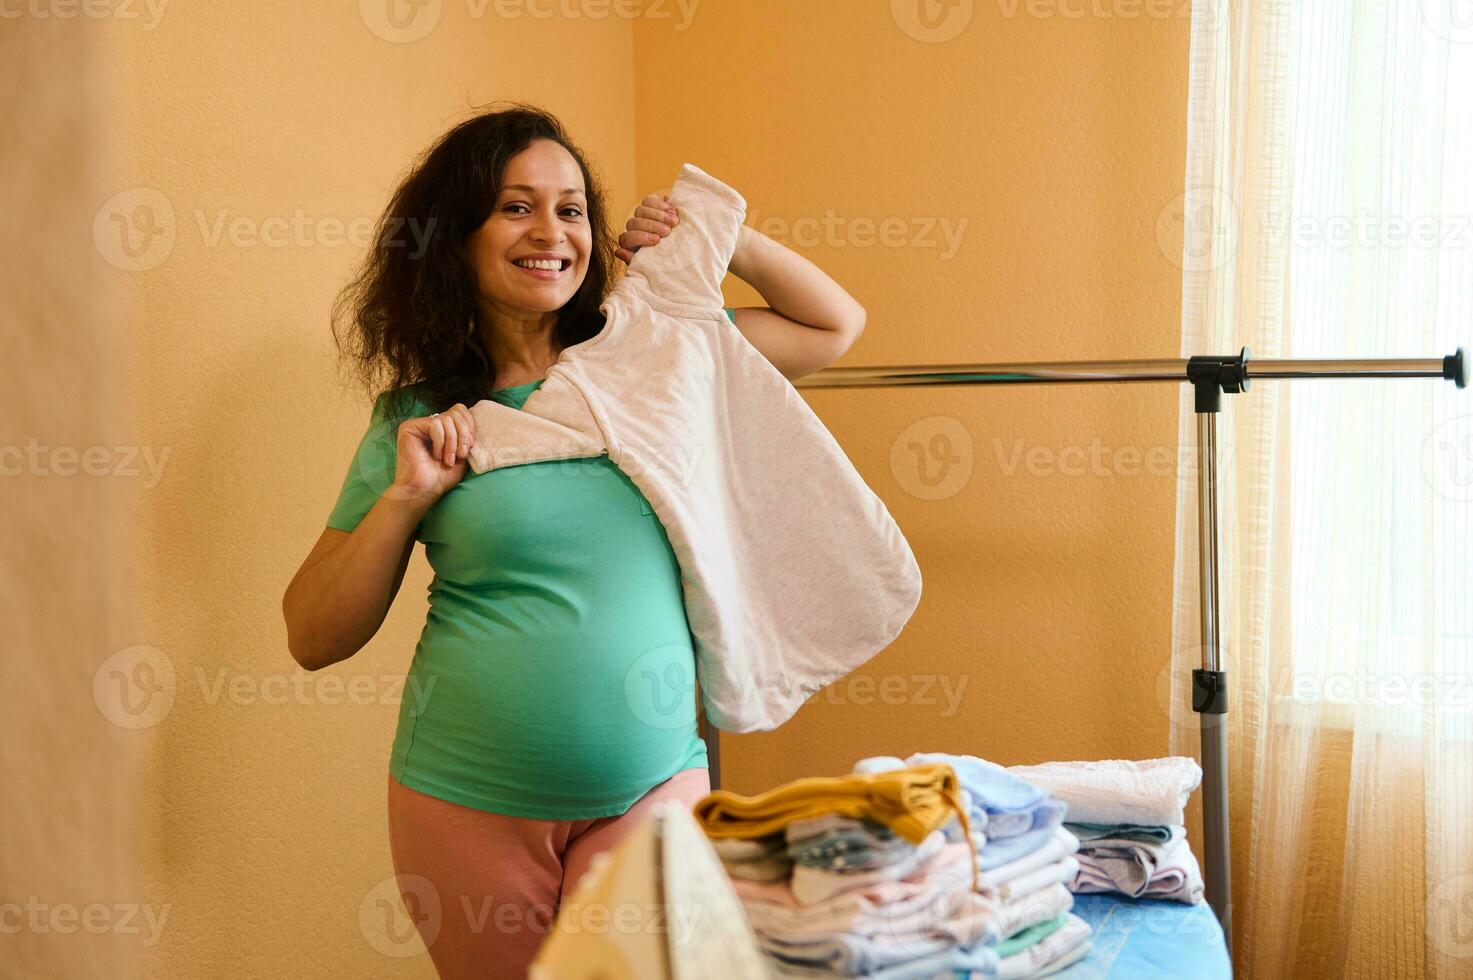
[577, 719]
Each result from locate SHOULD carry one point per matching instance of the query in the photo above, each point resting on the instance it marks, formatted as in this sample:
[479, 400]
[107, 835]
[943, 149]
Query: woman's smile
[545, 268]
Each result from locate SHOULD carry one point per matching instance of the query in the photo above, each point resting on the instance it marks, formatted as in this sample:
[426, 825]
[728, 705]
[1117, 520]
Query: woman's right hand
[432, 453]
[655, 218]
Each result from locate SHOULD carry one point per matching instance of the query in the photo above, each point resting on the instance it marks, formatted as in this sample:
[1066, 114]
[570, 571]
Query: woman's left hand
[652, 221]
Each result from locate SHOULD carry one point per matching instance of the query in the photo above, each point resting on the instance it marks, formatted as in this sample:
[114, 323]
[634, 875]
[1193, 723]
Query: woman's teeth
[550, 265]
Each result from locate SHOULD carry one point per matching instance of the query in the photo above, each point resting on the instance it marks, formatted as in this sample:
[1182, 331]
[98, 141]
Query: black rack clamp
[1209, 691]
[1212, 375]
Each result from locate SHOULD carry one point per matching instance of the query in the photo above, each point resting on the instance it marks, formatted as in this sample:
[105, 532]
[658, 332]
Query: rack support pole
[1211, 377]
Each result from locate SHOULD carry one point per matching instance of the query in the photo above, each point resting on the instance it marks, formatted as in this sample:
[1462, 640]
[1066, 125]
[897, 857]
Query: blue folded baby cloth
[1012, 816]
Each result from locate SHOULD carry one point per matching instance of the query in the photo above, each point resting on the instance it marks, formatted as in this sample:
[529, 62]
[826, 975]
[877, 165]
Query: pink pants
[499, 880]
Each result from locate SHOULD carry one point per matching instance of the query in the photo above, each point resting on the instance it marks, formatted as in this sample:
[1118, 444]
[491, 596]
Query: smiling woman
[527, 742]
[552, 695]
[530, 256]
[462, 318]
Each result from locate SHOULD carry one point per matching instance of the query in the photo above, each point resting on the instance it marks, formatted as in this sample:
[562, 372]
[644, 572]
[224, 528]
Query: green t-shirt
[554, 678]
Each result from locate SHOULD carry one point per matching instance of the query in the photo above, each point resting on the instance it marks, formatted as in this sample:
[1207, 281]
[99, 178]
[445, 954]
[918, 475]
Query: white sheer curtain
[1329, 213]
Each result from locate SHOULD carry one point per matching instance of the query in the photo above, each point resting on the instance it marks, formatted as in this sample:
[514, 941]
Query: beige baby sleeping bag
[792, 569]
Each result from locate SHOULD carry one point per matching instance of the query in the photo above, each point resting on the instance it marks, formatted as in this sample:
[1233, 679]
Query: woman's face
[541, 211]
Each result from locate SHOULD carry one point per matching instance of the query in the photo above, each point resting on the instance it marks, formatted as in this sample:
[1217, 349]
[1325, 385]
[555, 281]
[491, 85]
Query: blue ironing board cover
[1135, 939]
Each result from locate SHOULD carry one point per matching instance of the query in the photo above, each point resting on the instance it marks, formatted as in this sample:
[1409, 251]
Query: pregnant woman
[520, 753]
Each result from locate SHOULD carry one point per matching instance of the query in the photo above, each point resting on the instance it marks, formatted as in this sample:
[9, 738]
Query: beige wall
[1056, 146]
[70, 778]
[1049, 147]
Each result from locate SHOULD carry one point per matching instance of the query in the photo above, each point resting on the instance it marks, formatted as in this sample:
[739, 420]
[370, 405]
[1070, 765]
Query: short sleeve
[371, 471]
[731, 314]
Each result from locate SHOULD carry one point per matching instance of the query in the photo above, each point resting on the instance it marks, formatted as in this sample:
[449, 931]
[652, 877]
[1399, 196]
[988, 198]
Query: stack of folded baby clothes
[870, 874]
[1025, 859]
[1130, 820]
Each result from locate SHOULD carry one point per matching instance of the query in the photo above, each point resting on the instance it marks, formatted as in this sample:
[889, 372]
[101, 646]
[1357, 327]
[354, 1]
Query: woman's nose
[546, 229]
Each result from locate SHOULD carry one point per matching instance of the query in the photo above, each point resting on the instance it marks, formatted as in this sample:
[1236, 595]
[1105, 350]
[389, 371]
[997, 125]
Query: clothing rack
[1211, 377]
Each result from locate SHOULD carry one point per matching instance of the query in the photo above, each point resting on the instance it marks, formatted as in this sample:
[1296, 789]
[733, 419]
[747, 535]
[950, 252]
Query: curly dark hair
[404, 319]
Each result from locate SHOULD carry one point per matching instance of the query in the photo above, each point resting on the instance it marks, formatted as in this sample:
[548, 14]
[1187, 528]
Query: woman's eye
[576, 212]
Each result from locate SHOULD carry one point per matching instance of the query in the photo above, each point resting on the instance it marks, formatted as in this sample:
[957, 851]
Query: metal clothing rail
[1211, 377]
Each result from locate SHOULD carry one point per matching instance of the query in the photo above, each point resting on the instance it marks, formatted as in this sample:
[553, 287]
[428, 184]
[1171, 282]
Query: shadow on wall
[71, 899]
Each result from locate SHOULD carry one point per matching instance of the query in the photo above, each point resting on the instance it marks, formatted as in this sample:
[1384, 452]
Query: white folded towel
[1148, 792]
[1037, 906]
[1059, 846]
[1065, 961]
[1062, 871]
